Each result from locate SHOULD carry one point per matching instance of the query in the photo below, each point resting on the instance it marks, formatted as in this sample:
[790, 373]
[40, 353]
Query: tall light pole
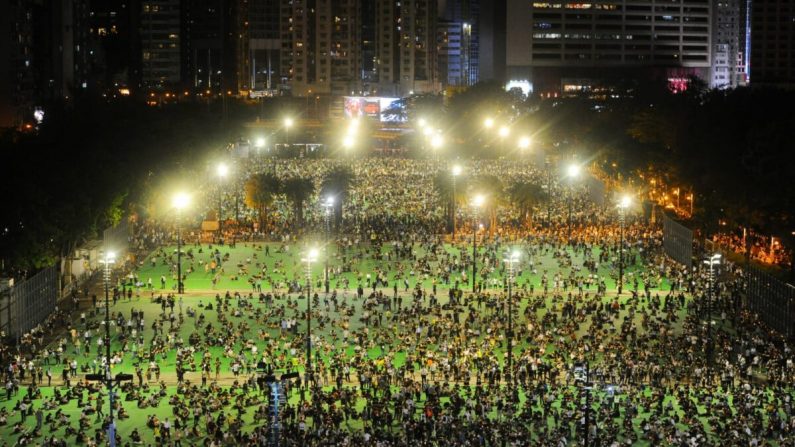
[713, 261]
[107, 261]
[456, 171]
[311, 256]
[223, 171]
[510, 259]
[327, 206]
[180, 202]
[524, 143]
[623, 204]
[573, 171]
[259, 142]
[436, 144]
[288, 123]
[503, 133]
[477, 202]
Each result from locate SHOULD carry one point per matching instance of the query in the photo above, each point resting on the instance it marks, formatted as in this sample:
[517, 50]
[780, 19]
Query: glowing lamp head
[329, 201]
[288, 122]
[109, 258]
[524, 142]
[479, 200]
[573, 171]
[311, 255]
[223, 170]
[180, 201]
[436, 141]
[259, 142]
[489, 123]
[513, 256]
[456, 170]
[422, 123]
[504, 132]
[347, 142]
[625, 202]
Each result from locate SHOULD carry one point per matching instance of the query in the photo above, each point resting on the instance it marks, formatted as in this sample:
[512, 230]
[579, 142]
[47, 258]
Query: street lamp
[108, 260]
[348, 142]
[524, 143]
[259, 143]
[503, 133]
[288, 123]
[422, 123]
[623, 204]
[311, 256]
[477, 202]
[489, 123]
[327, 205]
[573, 171]
[456, 171]
[436, 144]
[712, 261]
[510, 259]
[180, 201]
[223, 171]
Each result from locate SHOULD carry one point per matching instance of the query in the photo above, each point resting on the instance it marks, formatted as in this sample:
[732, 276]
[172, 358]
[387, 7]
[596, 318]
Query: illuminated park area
[395, 301]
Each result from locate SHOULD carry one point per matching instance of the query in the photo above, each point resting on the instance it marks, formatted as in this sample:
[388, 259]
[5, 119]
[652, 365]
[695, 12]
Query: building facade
[560, 46]
[726, 53]
[406, 42]
[161, 62]
[262, 59]
[772, 43]
[459, 30]
[321, 52]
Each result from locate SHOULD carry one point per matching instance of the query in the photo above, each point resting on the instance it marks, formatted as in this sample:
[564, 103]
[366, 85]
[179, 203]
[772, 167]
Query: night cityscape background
[388, 223]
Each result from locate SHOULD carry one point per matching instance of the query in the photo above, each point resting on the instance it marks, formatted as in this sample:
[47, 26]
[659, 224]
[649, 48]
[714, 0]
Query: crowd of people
[672, 360]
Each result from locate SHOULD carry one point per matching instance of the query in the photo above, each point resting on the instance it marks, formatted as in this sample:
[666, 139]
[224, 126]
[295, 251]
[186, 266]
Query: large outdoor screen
[382, 109]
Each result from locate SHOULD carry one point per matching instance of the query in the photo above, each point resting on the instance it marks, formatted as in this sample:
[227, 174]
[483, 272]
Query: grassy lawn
[262, 320]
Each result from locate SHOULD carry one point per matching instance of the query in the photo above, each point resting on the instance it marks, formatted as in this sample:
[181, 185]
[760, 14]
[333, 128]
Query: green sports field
[283, 265]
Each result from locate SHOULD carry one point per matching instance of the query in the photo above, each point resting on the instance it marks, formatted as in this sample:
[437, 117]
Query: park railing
[29, 302]
[677, 241]
[772, 299]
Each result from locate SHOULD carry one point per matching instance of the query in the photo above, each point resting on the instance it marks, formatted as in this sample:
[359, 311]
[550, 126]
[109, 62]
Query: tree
[443, 185]
[337, 183]
[261, 191]
[525, 196]
[491, 187]
[298, 190]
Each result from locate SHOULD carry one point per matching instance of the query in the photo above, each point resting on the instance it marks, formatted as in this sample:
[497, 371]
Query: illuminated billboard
[382, 109]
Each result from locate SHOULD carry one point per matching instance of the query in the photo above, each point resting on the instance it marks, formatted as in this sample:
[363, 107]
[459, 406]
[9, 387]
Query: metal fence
[32, 301]
[677, 241]
[773, 300]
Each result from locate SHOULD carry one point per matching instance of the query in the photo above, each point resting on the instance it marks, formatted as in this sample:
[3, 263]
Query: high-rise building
[574, 46]
[17, 73]
[492, 38]
[160, 43]
[459, 43]
[321, 51]
[406, 42]
[369, 75]
[773, 42]
[263, 44]
[45, 55]
[725, 44]
[114, 41]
